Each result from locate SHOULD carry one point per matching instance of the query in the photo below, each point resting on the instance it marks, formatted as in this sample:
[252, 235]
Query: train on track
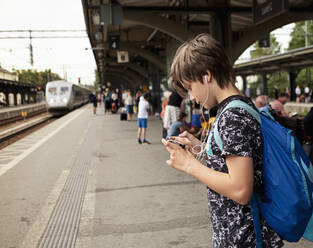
[62, 96]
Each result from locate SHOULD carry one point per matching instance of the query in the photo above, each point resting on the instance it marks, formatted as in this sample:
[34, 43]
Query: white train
[62, 96]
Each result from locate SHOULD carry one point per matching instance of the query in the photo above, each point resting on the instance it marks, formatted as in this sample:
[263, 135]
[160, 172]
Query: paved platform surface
[298, 107]
[132, 198]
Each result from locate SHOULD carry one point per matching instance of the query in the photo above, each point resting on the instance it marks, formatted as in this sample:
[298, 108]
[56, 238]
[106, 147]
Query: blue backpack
[287, 204]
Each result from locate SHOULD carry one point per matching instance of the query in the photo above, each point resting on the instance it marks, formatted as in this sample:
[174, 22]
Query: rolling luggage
[123, 117]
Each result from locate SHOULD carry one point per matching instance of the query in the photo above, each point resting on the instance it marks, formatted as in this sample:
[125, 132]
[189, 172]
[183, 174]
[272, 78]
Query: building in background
[4, 74]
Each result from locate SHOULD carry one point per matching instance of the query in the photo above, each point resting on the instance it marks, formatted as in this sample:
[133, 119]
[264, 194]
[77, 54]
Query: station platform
[298, 107]
[16, 111]
[83, 181]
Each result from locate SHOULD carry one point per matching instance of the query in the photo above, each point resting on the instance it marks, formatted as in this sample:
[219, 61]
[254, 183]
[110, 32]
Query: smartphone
[174, 142]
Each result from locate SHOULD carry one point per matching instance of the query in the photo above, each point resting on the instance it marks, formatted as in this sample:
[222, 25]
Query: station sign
[266, 42]
[122, 57]
[264, 10]
[114, 42]
[111, 14]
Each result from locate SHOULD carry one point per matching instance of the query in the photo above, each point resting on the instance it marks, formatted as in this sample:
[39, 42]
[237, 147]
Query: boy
[143, 112]
[201, 68]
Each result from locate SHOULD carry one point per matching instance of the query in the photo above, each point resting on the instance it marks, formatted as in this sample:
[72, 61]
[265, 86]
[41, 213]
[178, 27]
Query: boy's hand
[180, 159]
[187, 139]
[190, 141]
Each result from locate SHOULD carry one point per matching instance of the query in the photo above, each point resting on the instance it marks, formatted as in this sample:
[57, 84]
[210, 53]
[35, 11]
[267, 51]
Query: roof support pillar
[15, 98]
[7, 97]
[264, 80]
[244, 82]
[23, 97]
[155, 77]
[292, 81]
[171, 48]
[220, 29]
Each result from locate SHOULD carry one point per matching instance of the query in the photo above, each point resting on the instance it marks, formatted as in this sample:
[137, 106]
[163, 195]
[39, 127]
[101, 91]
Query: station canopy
[290, 61]
[127, 36]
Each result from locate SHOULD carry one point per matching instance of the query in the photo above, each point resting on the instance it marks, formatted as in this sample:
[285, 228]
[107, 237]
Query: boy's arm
[237, 184]
[239, 135]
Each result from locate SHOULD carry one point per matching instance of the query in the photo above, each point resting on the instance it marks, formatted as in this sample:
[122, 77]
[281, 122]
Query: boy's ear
[207, 77]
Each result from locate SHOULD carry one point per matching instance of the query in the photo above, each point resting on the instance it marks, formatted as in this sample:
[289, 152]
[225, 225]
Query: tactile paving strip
[61, 230]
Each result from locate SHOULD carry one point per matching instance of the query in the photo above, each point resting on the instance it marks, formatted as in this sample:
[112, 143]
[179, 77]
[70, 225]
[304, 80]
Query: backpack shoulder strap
[233, 104]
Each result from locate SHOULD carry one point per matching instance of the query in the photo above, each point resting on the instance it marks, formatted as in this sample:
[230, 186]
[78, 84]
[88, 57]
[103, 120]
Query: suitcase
[123, 117]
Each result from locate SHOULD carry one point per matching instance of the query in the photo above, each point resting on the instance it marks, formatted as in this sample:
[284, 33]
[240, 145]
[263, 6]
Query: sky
[70, 58]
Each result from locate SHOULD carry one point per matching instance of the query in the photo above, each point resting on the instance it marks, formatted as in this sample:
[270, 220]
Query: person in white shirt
[298, 93]
[307, 93]
[143, 113]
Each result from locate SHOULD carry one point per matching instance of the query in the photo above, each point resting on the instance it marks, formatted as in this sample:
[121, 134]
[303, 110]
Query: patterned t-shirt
[232, 223]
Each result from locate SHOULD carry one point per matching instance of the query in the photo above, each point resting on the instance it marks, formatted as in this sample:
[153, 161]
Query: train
[63, 96]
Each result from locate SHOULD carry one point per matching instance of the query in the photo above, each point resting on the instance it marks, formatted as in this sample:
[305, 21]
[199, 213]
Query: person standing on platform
[288, 91]
[114, 105]
[307, 93]
[172, 109]
[247, 92]
[202, 69]
[129, 105]
[143, 113]
[94, 100]
[107, 101]
[138, 95]
[258, 91]
[195, 118]
[298, 93]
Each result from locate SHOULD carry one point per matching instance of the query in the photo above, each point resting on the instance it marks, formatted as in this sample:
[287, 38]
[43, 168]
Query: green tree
[40, 78]
[298, 35]
[297, 41]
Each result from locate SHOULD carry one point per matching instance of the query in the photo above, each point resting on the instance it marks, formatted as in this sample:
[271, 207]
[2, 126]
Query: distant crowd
[304, 94]
[139, 104]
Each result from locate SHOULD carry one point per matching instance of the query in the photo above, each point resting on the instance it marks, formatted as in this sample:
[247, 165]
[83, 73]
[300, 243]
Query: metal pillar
[244, 81]
[292, 81]
[171, 48]
[220, 29]
[155, 77]
[156, 91]
[23, 97]
[15, 98]
[264, 77]
[7, 97]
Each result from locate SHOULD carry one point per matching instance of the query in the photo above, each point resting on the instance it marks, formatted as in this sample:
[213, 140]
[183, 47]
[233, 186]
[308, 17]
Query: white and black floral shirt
[232, 223]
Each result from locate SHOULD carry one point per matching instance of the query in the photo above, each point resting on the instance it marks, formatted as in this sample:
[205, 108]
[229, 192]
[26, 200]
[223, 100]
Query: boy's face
[199, 92]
